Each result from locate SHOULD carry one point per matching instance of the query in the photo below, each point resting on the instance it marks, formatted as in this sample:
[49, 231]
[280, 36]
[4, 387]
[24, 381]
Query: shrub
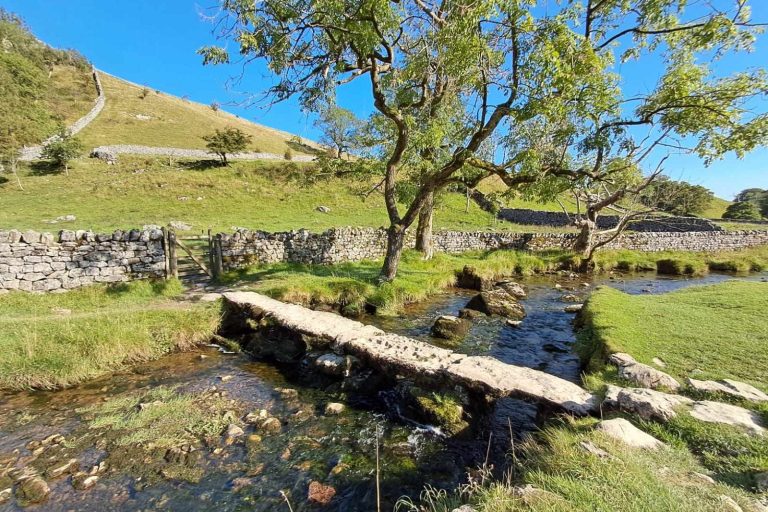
[743, 210]
[230, 140]
[144, 93]
[63, 149]
[288, 154]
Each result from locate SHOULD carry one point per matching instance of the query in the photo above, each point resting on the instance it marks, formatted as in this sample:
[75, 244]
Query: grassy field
[257, 195]
[174, 122]
[71, 93]
[720, 331]
[53, 341]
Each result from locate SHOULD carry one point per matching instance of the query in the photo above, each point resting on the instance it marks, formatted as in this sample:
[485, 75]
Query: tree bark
[395, 243]
[586, 239]
[424, 227]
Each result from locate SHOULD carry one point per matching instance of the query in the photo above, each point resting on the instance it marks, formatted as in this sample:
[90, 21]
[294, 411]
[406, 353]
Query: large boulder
[729, 387]
[624, 431]
[514, 289]
[450, 327]
[468, 278]
[497, 302]
[642, 374]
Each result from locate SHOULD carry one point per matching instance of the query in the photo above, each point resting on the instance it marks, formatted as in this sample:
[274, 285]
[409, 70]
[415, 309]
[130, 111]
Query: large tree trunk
[585, 241]
[424, 227]
[395, 243]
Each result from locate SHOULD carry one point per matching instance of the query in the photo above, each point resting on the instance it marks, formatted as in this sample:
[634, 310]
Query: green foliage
[229, 140]
[677, 197]
[340, 129]
[288, 155]
[756, 196]
[742, 211]
[63, 149]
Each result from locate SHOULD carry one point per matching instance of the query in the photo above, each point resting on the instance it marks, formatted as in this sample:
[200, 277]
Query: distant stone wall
[654, 224]
[353, 244]
[132, 149]
[34, 261]
[35, 152]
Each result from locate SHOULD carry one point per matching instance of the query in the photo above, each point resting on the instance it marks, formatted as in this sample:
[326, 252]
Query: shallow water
[311, 444]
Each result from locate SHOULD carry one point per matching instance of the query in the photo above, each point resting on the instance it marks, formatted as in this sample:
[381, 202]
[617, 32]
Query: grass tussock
[162, 417]
[569, 478]
[54, 341]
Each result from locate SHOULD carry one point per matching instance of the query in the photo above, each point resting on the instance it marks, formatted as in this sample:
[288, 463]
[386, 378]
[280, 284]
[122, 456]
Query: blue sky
[154, 43]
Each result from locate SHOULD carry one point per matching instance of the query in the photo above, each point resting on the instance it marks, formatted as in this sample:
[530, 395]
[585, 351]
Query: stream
[337, 450]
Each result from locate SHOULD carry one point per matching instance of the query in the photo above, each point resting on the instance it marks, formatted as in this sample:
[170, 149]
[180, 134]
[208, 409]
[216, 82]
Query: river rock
[253, 418]
[233, 432]
[83, 481]
[465, 508]
[271, 425]
[624, 431]
[450, 327]
[334, 408]
[642, 374]
[469, 314]
[514, 323]
[468, 278]
[570, 298]
[761, 481]
[68, 467]
[717, 412]
[32, 489]
[331, 364]
[319, 493]
[646, 403]
[497, 302]
[5, 495]
[729, 387]
[573, 308]
[514, 289]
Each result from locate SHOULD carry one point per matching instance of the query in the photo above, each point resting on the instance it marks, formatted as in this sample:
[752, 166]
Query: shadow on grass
[200, 165]
[44, 168]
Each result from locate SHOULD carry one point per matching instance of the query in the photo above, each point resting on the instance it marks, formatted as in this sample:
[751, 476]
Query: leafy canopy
[227, 141]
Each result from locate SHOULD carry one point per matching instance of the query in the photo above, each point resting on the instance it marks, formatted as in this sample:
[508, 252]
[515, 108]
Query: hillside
[143, 116]
[41, 88]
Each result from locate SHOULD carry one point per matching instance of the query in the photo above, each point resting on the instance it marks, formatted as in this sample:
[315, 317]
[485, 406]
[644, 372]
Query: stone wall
[654, 224]
[34, 261]
[34, 152]
[353, 244]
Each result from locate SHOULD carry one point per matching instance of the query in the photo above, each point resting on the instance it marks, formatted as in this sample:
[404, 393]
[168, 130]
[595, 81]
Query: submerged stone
[319, 493]
[334, 408]
[31, 490]
[450, 327]
[497, 302]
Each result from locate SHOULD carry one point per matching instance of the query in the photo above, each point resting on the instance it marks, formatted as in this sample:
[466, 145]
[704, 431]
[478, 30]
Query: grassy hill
[257, 195]
[41, 88]
[134, 114]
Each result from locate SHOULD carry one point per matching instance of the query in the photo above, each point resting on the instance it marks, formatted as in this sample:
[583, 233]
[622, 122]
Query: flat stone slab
[624, 431]
[642, 374]
[399, 355]
[729, 387]
[718, 412]
[655, 405]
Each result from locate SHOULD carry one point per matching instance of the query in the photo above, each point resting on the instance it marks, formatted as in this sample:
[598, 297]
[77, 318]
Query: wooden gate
[193, 258]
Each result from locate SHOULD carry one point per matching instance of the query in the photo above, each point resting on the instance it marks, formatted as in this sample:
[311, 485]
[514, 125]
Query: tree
[677, 197]
[227, 141]
[62, 149]
[340, 128]
[753, 195]
[742, 210]
[447, 76]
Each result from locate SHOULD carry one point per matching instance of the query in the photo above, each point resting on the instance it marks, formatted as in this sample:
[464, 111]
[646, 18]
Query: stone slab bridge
[399, 355]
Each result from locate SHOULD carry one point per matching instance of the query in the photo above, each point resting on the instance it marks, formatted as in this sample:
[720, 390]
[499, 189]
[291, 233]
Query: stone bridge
[393, 355]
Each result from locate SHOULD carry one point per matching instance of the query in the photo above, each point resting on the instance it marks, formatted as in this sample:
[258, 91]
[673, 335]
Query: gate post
[166, 270]
[218, 259]
[172, 259]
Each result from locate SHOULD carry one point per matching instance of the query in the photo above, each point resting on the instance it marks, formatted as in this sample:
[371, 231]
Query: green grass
[174, 122]
[352, 285]
[683, 263]
[53, 341]
[719, 330]
[716, 209]
[71, 93]
[555, 462]
[167, 420]
[257, 195]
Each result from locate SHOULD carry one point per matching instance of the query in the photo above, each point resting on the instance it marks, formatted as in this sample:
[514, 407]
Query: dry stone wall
[652, 224]
[33, 261]
[337, 245]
